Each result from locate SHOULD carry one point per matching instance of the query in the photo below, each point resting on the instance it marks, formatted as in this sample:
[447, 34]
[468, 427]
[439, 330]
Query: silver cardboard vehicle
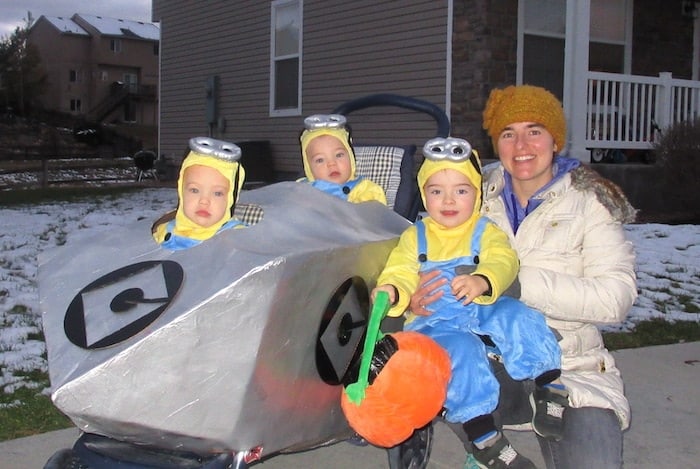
[230, 351]
[238, 344]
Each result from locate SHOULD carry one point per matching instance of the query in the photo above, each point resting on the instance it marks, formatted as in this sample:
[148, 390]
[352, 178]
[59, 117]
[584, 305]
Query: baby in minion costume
[475, 258]
[329, 160]
[208, 186]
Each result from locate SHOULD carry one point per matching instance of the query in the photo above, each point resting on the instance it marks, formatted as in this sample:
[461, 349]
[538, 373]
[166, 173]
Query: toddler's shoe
[548, 406]
[497, 453]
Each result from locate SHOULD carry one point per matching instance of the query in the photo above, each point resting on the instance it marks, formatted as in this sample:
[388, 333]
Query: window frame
[115, 45]
[523, 32]
[273, 110]
[76, 105]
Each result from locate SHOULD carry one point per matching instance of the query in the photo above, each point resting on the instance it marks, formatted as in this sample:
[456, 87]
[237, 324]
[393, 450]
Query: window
[285, 54]
[75, 105]
[156, 48]
[544, 37]
[606, 51]
[115, 45]
[72, 76]
[543, 44]
[131, 82]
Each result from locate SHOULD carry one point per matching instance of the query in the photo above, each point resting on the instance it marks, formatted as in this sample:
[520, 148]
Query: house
[251, 70]
[100, 69]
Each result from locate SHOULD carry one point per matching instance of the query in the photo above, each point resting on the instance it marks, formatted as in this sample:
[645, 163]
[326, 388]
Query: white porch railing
[626, 111]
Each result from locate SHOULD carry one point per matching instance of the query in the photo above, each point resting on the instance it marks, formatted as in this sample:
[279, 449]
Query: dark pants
[592, 436]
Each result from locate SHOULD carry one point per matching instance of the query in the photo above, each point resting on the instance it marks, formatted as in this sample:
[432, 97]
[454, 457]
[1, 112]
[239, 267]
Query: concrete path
[662, 384]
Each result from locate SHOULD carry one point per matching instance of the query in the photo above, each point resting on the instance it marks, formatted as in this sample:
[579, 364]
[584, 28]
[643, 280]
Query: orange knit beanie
[524, 103]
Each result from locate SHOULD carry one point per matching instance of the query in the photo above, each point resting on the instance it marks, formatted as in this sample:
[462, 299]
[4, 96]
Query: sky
[13, 13]
[668, 267]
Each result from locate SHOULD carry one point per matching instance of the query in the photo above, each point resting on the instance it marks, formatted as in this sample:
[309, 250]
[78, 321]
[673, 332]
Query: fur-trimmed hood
[607, 192]
[583, 178]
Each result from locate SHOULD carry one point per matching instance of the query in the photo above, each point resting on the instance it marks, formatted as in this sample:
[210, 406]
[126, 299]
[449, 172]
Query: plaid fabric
[250, 214]
[381, 164]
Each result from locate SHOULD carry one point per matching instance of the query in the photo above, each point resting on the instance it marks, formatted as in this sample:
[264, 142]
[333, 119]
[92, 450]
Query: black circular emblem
[122, 303]
[342, 330]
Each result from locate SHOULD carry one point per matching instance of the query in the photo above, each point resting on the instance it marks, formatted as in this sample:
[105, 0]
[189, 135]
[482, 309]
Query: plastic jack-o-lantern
[405, 388]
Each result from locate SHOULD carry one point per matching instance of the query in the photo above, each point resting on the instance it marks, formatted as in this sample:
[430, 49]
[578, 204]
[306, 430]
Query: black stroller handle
[406, 102]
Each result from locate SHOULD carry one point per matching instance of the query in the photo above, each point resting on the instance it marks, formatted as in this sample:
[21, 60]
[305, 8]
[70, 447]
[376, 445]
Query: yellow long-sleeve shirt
[498, 262]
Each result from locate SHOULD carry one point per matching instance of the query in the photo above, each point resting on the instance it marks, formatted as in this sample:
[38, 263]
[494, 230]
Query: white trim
[629, 35]
[299, 55]
[575, 75]
[696, 47]
[448, 59]
[520, 46]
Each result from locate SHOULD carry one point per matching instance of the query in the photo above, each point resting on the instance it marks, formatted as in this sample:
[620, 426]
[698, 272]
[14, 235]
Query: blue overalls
[176, 242]
[339, 190]
[525, 342]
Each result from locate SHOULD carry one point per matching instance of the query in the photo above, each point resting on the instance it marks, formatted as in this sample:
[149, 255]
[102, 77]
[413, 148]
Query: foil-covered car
[230, 351]
[238, 344]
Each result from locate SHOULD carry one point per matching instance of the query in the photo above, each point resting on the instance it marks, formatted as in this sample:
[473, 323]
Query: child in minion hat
[475, 258]
[329, 160]
[208, 186]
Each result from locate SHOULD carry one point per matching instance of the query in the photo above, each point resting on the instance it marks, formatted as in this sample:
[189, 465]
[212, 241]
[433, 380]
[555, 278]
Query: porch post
[578, 13]
[663, 103]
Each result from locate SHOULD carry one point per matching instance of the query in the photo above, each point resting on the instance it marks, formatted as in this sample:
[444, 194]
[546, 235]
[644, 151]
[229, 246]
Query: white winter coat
[577, 268]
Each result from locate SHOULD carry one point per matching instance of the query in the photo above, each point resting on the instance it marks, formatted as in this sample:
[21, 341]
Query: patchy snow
[114, 27]
[668, 259]
[119, 27]
[65, 25]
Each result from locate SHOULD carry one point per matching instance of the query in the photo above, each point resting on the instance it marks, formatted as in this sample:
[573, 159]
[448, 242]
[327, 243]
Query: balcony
[627, 112]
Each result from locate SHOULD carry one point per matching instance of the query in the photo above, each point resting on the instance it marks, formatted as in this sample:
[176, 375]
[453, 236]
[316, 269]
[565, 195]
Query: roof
[119, 27]
[65, 25]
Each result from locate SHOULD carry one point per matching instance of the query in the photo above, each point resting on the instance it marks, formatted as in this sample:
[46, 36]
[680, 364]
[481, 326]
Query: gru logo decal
[341, 331]
[122, 303]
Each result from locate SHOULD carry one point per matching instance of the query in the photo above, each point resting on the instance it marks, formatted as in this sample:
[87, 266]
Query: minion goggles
[325, 121]
[225, 151]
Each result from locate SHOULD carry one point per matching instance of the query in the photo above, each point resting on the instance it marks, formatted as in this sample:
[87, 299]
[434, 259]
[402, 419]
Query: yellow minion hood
[451, 153]
[325, 124]
[223, 157]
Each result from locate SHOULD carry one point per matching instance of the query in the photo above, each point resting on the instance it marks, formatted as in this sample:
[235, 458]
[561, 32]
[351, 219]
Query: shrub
[678, 156]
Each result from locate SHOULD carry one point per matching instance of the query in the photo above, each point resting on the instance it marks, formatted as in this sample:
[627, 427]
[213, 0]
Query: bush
[678, 156]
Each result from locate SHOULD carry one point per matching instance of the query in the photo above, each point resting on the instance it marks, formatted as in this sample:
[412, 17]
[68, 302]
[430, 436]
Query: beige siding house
[348, 50]
[252, 70]
[102, 69]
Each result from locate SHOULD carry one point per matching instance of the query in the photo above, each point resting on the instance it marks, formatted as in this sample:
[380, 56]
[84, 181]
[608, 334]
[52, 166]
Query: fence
[627, 111]
[22, 174]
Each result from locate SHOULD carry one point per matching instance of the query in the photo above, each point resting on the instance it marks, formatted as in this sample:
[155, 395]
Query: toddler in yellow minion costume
[478, 263]
[329, 160]
[208, 186]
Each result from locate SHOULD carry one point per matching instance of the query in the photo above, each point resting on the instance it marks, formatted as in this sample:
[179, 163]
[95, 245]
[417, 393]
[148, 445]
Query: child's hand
[385, 288]
[467, 287]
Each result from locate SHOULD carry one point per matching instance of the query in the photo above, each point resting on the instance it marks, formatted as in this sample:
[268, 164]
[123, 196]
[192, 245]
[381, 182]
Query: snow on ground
[668, 259]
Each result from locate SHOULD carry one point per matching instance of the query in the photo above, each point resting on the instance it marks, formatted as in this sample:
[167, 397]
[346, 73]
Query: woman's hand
[427, 292]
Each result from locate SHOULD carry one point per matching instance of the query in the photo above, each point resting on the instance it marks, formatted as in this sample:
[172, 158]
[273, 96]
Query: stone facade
[484, 43]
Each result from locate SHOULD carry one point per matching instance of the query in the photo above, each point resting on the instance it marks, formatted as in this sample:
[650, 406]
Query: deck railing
[628, 111]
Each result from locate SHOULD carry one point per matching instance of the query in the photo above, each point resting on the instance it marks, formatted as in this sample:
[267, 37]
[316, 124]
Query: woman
[577, 268]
